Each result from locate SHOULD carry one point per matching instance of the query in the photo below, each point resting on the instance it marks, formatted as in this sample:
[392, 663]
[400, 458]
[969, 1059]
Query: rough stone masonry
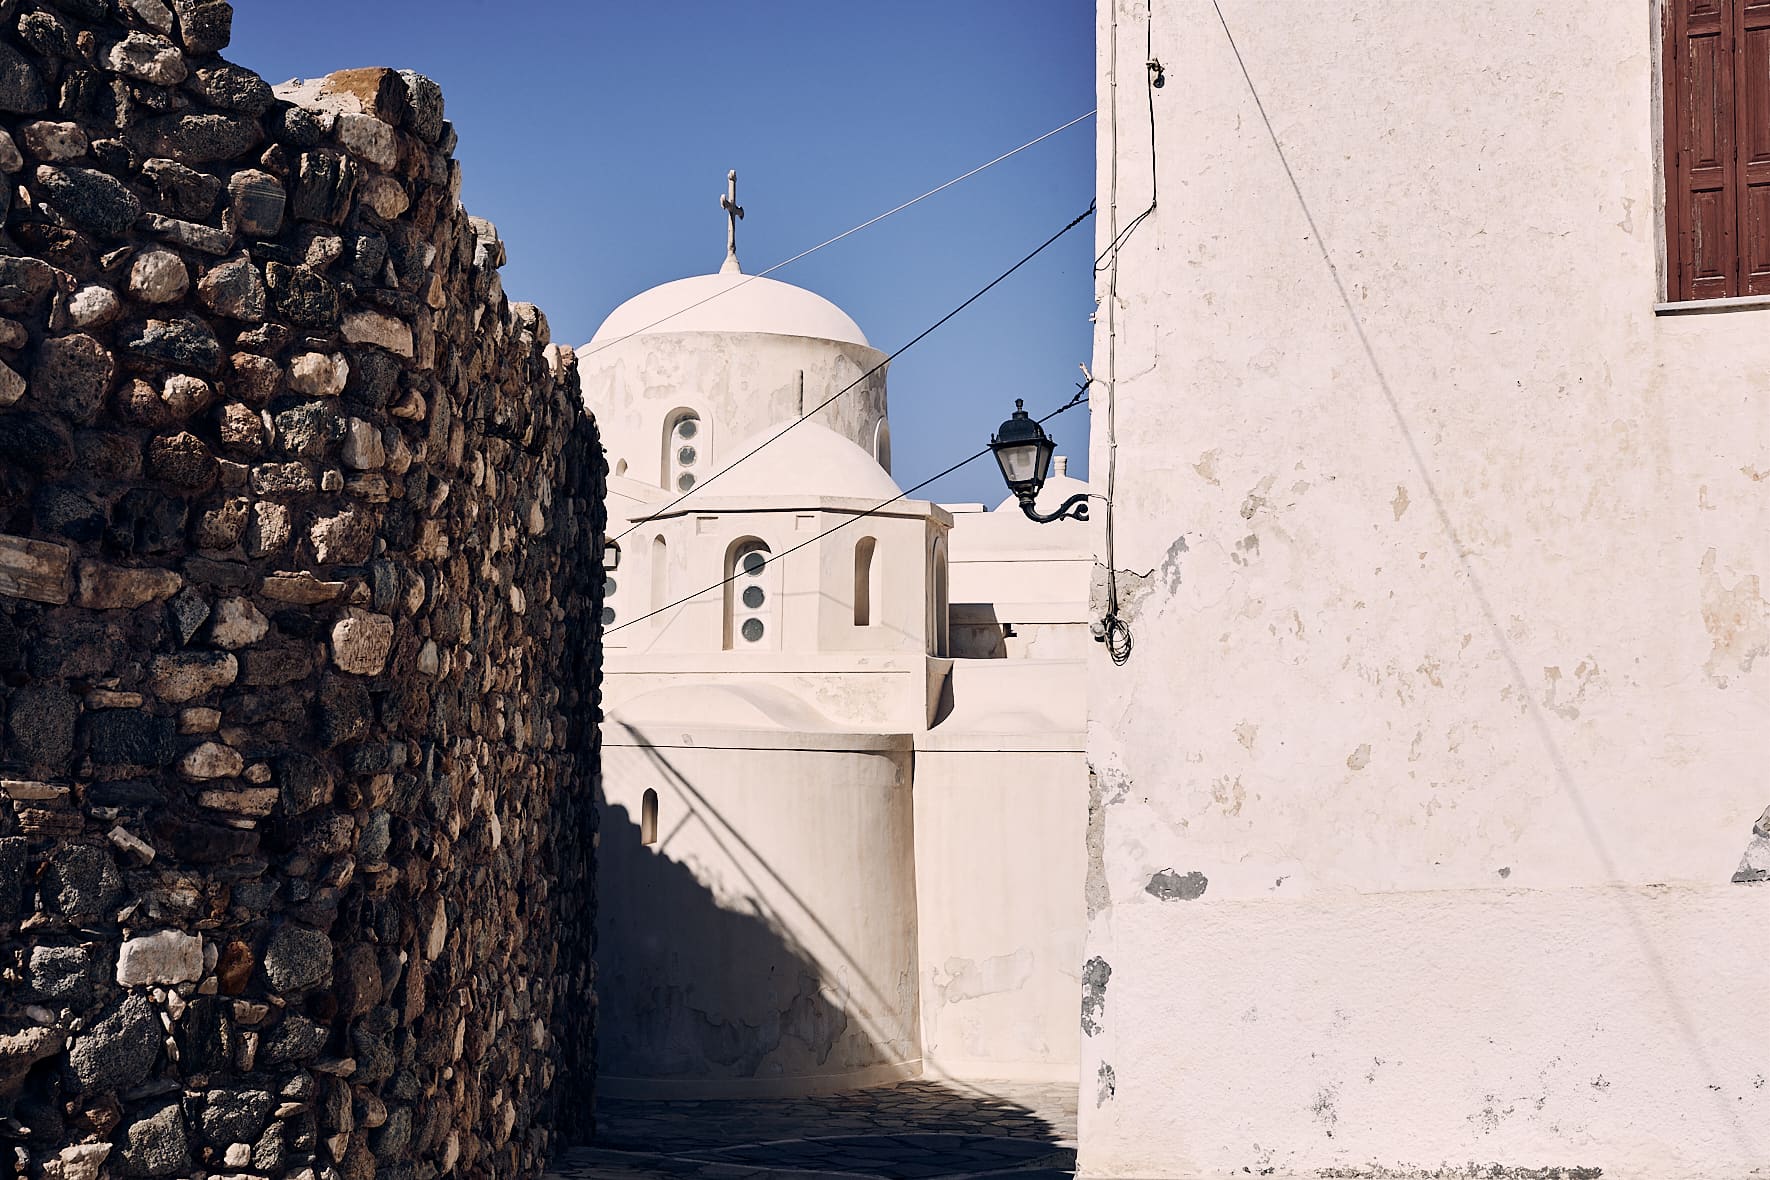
[300, 527]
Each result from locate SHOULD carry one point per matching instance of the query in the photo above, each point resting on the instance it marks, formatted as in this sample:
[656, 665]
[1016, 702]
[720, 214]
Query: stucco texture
[1442, 555]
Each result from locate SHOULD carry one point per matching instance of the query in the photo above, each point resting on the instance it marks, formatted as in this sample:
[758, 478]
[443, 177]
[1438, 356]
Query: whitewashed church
[844, 795]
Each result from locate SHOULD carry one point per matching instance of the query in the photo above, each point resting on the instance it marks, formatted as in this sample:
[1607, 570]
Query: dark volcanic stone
[276, 664]
[67, 513]
[374, 376]
[203, 843]
[324, 186]
[92, 200]
[119, 1051]
[206, 1036]
[130, 737]
[204, 26]
[81, 881]
[23, 281]
[156, 1144]
[297, 958]
[184, 192]
[115, 456]
[344, 711]
[73, 646]
[307, 430]
[296, 1039]
[47, 33]
[196, 139]
[187, 610]
[21, 90]
[298, 127]
[41, 721]
[35, 443]
[301, 296]
[73, 375]
[181, 460]
[424, 106]
[126, 793]
[184, 344]
[62, 975]
[13, 853]
[235, 1116]
[146, 522]
[232, 88]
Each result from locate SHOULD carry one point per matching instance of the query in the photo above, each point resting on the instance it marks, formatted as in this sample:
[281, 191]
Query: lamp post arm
[1076, 506]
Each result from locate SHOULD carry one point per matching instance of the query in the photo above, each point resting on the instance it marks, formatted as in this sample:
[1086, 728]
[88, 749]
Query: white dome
[730, 302]
[808, 460]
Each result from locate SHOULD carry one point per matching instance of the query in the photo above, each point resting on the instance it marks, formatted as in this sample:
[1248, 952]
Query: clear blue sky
[597, 136]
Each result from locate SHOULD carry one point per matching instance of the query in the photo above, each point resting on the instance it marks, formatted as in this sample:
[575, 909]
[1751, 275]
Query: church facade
[843, 798]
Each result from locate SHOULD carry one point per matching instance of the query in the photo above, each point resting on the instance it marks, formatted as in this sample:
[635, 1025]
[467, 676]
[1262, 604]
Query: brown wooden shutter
[1752, 88]
[1702, 204]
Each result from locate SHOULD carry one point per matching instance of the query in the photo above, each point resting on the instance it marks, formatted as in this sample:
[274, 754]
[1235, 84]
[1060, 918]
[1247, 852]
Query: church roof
[807, 461]
[730, 302]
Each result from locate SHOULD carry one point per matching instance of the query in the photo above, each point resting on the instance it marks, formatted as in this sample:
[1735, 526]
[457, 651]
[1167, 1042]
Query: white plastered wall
[1418, 803]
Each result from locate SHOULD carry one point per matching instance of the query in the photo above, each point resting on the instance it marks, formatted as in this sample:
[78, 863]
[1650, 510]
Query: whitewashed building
[844, 793]
[1438, 369]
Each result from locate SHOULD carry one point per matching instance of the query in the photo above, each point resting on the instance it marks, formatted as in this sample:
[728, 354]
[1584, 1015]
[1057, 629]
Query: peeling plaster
[1461, 1172]
[1171, 564]
[1171, 886]
[1095, 891]
[1754, 866]
[1109, 1085]
[1738, 621]
[1095, 977]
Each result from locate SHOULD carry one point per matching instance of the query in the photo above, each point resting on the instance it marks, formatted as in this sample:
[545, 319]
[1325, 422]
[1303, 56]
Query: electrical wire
[1080, 398]
[832, 241]
[917, 339]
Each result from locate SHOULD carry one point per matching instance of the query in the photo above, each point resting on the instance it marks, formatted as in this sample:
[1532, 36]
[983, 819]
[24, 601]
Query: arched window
[683, 447]
[611, 561]
[648, 817]
[660, 572]
[882, 444]
[752, 591]
[937, 598]
[864, 574]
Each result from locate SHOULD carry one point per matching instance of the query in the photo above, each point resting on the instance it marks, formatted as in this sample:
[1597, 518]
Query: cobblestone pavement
[918, 1130]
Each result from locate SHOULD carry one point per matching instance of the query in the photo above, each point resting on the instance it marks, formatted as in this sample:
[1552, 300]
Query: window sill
[1700, 306]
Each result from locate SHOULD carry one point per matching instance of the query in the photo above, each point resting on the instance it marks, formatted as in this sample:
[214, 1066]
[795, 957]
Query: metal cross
[734, 212]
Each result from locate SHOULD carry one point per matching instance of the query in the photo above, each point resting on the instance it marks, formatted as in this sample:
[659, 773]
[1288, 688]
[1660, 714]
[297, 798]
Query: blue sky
[597, 136]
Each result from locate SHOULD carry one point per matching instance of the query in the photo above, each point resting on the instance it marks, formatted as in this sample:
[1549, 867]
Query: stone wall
[299, 526]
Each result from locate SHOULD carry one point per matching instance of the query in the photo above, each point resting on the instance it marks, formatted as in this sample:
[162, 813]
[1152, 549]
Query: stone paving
[921, 1130]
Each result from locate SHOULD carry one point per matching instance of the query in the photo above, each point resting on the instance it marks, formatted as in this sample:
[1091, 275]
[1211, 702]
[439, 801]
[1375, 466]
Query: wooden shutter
[1702, 197]
[1752, 90]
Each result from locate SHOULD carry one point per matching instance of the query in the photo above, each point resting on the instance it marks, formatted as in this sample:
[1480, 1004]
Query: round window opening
[608, 615]
[685, 480]
[753, 597]
[608, 587]
[753, 562]
[685, 455]
[752, 630]
[686, 428]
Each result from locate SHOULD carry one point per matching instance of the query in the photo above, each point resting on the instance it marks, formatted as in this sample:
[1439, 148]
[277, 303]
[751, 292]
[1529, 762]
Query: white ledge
[1695, 306]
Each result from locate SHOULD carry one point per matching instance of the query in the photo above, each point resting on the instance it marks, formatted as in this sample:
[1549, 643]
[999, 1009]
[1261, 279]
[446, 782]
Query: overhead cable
[832, 241]
[1080, 398]
[918, 338]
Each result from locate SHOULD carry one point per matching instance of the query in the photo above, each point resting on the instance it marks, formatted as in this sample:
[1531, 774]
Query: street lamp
[1023, 451]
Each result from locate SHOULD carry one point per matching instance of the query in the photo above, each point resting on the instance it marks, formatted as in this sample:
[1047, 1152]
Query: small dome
[808, 460]
[730, 302]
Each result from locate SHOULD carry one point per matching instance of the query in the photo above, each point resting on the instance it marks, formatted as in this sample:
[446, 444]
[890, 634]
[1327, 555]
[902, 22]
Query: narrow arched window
[660, 572]
[648, 817]
[863, 581]
[882, 444]
[937, 598]
[752, 592]
[683, 446]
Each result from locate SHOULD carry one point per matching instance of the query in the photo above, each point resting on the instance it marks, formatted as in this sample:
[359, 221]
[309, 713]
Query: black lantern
[1023, 451]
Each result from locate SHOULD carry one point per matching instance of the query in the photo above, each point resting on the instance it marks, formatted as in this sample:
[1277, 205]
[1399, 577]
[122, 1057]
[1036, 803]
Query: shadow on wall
[656, 917]
[658, 921]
